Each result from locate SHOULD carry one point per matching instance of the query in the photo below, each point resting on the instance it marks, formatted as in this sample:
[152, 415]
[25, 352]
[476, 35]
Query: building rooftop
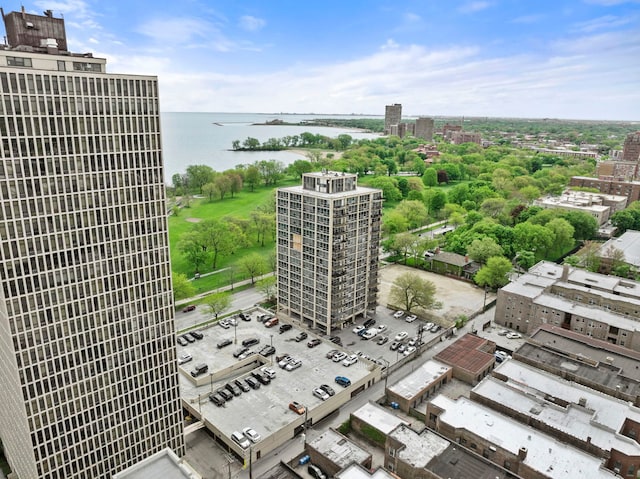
[378, 417]
[458, 463]
[628, 243]
[420, 448]
[164, 464]
[415, 382]
[574, 409]
[454, 259]
[338, 449]
[356, 471]
[545, 454]
[470, 353]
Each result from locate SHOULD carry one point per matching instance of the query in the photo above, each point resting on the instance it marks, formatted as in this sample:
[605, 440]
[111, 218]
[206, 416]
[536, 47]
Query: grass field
[241, 206]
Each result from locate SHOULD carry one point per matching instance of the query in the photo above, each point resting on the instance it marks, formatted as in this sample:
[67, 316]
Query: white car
[295, 364]
[401, 335]
[251, 434]
[284, 361]
[411, 318]
[232, 321]
[369, 333]
[320, 393]
[398, 314]
[339, 357]
[381, 327]
[350, 360]
[514, 335]
[268, 372]
[224, 323]
[357, 329]
[184, 358]
[503, 332]
[427, 327]
[412, 341]
[409, 350]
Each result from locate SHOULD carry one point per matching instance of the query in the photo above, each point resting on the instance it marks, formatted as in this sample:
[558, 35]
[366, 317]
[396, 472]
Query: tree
[199, 175]
[262, 223]
[193, 248]
[534, 238]
[223, 185]
[394, 222]
[252, 177]
[182, 287]
[219, 237]
[402, 243]
[584, 225]
[563, 237]
[254, 265]
[437, 201]
[589, 256]
[389, 187]
[409, 291]
[494, 273]
[414, 211]
[525, 259]
[482, 249]
[299, 167]
[430, 177]
[218, 303]
[268, 287]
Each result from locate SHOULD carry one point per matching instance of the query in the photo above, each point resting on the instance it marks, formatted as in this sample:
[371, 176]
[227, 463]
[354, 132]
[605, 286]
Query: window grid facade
[328, 234]
[88, 370]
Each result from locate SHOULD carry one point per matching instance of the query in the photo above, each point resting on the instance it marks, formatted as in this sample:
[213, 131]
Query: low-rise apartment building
[609, 186]
[600, 206]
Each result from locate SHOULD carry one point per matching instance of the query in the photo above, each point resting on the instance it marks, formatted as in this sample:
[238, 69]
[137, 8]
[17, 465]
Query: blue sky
[510, 58]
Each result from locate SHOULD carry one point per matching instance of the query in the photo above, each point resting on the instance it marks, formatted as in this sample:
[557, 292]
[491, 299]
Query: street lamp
[271, 343]
[211, 380]
[305, 425]
[235, 331]
[386, 377]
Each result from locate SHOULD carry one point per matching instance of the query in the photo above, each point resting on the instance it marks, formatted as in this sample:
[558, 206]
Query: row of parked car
[235, 388]
[190, 337]
[246, 437]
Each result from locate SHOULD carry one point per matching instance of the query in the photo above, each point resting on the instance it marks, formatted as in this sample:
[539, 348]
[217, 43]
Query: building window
[62, 66]
[392, 452]
[18, 62]
[87, 67]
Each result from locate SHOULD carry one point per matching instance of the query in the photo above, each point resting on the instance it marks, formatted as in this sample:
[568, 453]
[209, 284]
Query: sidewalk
[228, 287]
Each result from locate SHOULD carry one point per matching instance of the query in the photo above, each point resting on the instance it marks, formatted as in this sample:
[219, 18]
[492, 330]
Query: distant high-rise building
[87, 342]
[392, 116]
[424, 128]
[631, 149]
[328, 237]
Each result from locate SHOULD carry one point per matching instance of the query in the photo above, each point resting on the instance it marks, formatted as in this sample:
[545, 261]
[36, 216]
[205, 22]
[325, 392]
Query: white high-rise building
[328, 233]
[88, 373]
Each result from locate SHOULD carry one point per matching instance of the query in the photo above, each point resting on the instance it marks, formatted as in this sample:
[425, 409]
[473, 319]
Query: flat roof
[466, 353]
[545, 454]
[628, 243]
[165, 464]
[339, 449]
[378, 417]
[417, 381]
[359, 190]
[531, 392]
[356, 471]
[459, 463]
[419, 449]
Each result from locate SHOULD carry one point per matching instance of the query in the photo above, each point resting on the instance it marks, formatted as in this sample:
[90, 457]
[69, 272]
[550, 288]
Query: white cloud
[412, 18]
[601, 23]
[472, 7]
[251, 24]
[528, 19]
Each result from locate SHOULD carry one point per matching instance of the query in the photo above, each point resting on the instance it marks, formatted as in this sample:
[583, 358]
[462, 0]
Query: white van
[240, 439]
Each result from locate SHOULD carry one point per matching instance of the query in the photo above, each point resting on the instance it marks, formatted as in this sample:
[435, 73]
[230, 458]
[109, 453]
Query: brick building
[609, 186]
[419, 385]
[471, 358]
[631, 149]
[424, 128]
[392, 116]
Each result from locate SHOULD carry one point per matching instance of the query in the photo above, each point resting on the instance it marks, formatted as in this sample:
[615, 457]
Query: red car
[191, 307]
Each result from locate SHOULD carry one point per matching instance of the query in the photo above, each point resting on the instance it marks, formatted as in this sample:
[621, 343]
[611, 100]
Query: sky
[571, 59]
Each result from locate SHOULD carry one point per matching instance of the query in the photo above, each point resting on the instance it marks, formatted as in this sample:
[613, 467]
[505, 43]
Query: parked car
[328, 389]
[313, 343]
[503, 332]
[268, 350]
[501, 356]
[514, 336]
[321, 394]
[284, 361]
[301, 337]
[251, 434]
[262, 379]
[184, 358]
[369, 322]
[342, 381]
[285, 327]
[295, 364]
[427, 326]
[246, 354]
[242, 385]
[315, 472]
[332, 353]
[395, 345]
[252, 382]
[189, 308]
[296, 407]
[239, 352]
[271, 322]
[199, 369]
[402, 347]
[223, 323]
[339, 356]
[224, 343]
[224, 393]
[409, 350]
[381, 327]
[348, 361]
[197, 334]
[181, 341]
[232, 321]
[244, 317]
[268, 372]
[240, 439]
[336, 340]
[398, 314]
[413, 341]
[411, 318]
[382, 340]
[369, 333]
[250, 341]
[358, 328]
[216, 399]
[401, 335]
[233, 389]
[435, 328]
[189, 338]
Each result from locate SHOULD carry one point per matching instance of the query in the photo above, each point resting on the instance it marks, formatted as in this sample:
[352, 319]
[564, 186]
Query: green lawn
[241, 206]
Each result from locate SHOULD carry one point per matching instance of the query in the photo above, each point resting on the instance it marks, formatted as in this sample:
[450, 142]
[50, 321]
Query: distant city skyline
[571, 59]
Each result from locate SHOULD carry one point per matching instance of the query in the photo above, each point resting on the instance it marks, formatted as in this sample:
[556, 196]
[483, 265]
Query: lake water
[206, 138]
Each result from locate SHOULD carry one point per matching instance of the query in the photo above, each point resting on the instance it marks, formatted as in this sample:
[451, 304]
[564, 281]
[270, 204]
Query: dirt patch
[457, 297]
[193, 220]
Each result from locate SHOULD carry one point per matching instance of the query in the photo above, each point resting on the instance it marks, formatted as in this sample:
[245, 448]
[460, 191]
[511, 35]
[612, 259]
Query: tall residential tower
[392, 116]
[328, 233]
[87, 355]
